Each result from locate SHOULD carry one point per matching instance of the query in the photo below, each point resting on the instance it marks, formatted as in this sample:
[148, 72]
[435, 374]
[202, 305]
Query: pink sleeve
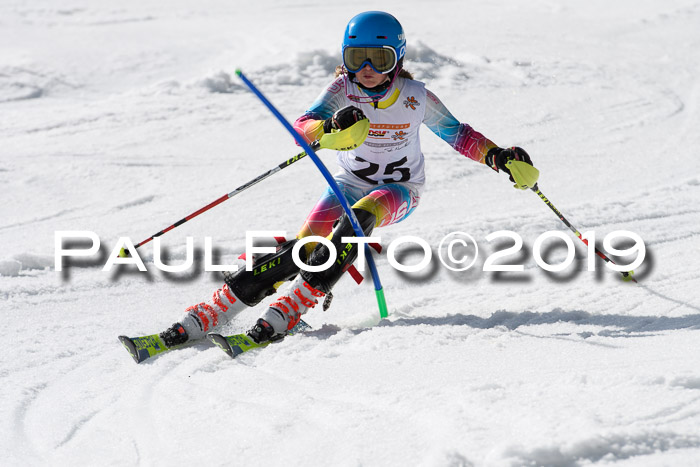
[309, 127]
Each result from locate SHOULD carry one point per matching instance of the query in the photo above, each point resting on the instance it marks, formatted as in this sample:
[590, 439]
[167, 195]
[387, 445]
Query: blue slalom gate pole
[378, 289]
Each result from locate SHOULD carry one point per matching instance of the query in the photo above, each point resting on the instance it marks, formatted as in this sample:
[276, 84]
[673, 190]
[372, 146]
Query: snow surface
[120, 118]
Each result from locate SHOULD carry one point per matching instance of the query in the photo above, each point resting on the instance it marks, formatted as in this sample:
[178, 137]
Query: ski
[144, 347]
[237, 344]
[141, 348]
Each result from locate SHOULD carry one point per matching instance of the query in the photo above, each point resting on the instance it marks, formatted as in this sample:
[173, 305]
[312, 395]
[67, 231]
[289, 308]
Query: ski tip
[238, 72]
[627, 277]
[221, 342]
[130, 347]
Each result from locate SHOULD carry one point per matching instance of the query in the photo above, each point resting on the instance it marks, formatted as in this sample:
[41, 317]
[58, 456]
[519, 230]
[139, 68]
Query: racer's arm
[462, 137]
[466, 140]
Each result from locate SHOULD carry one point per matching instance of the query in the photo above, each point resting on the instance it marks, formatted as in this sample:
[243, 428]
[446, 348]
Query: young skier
[382, 179]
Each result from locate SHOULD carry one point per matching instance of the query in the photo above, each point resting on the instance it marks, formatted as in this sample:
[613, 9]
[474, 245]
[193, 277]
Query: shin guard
[346, 252]
[252, 286]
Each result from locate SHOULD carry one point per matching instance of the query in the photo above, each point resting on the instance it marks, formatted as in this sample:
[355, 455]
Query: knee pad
[252, 286]
[347, 252]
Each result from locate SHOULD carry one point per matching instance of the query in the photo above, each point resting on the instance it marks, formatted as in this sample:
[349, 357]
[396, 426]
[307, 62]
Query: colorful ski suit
[386, 173]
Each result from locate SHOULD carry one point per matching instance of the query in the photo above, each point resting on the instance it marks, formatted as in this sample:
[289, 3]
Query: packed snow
[121, 118]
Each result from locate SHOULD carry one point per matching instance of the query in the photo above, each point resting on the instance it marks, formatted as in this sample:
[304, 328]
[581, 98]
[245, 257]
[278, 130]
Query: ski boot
[308, 287]
[263, 331]
[174, 335]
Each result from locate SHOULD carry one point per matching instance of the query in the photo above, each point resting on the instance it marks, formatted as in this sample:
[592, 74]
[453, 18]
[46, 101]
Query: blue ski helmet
[369, 39]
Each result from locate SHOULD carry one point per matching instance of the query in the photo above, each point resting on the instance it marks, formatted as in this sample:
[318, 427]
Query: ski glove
[343, 118]
[498, 157]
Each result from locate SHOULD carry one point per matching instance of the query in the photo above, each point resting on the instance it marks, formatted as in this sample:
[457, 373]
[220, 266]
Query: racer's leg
[245, 289]
[242, 289]
[382, 206]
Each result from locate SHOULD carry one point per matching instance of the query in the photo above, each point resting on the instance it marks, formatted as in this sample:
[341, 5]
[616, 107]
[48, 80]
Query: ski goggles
[381, 59]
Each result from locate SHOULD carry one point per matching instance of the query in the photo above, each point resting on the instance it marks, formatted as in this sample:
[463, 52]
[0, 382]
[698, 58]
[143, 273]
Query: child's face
[370, 78]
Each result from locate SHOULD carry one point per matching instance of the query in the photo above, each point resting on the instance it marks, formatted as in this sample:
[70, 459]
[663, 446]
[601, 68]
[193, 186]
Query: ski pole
[526, 176]
[626, 275]
[245, 186]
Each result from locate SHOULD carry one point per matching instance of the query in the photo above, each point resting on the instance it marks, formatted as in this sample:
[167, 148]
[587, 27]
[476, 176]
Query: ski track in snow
[133, 118]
